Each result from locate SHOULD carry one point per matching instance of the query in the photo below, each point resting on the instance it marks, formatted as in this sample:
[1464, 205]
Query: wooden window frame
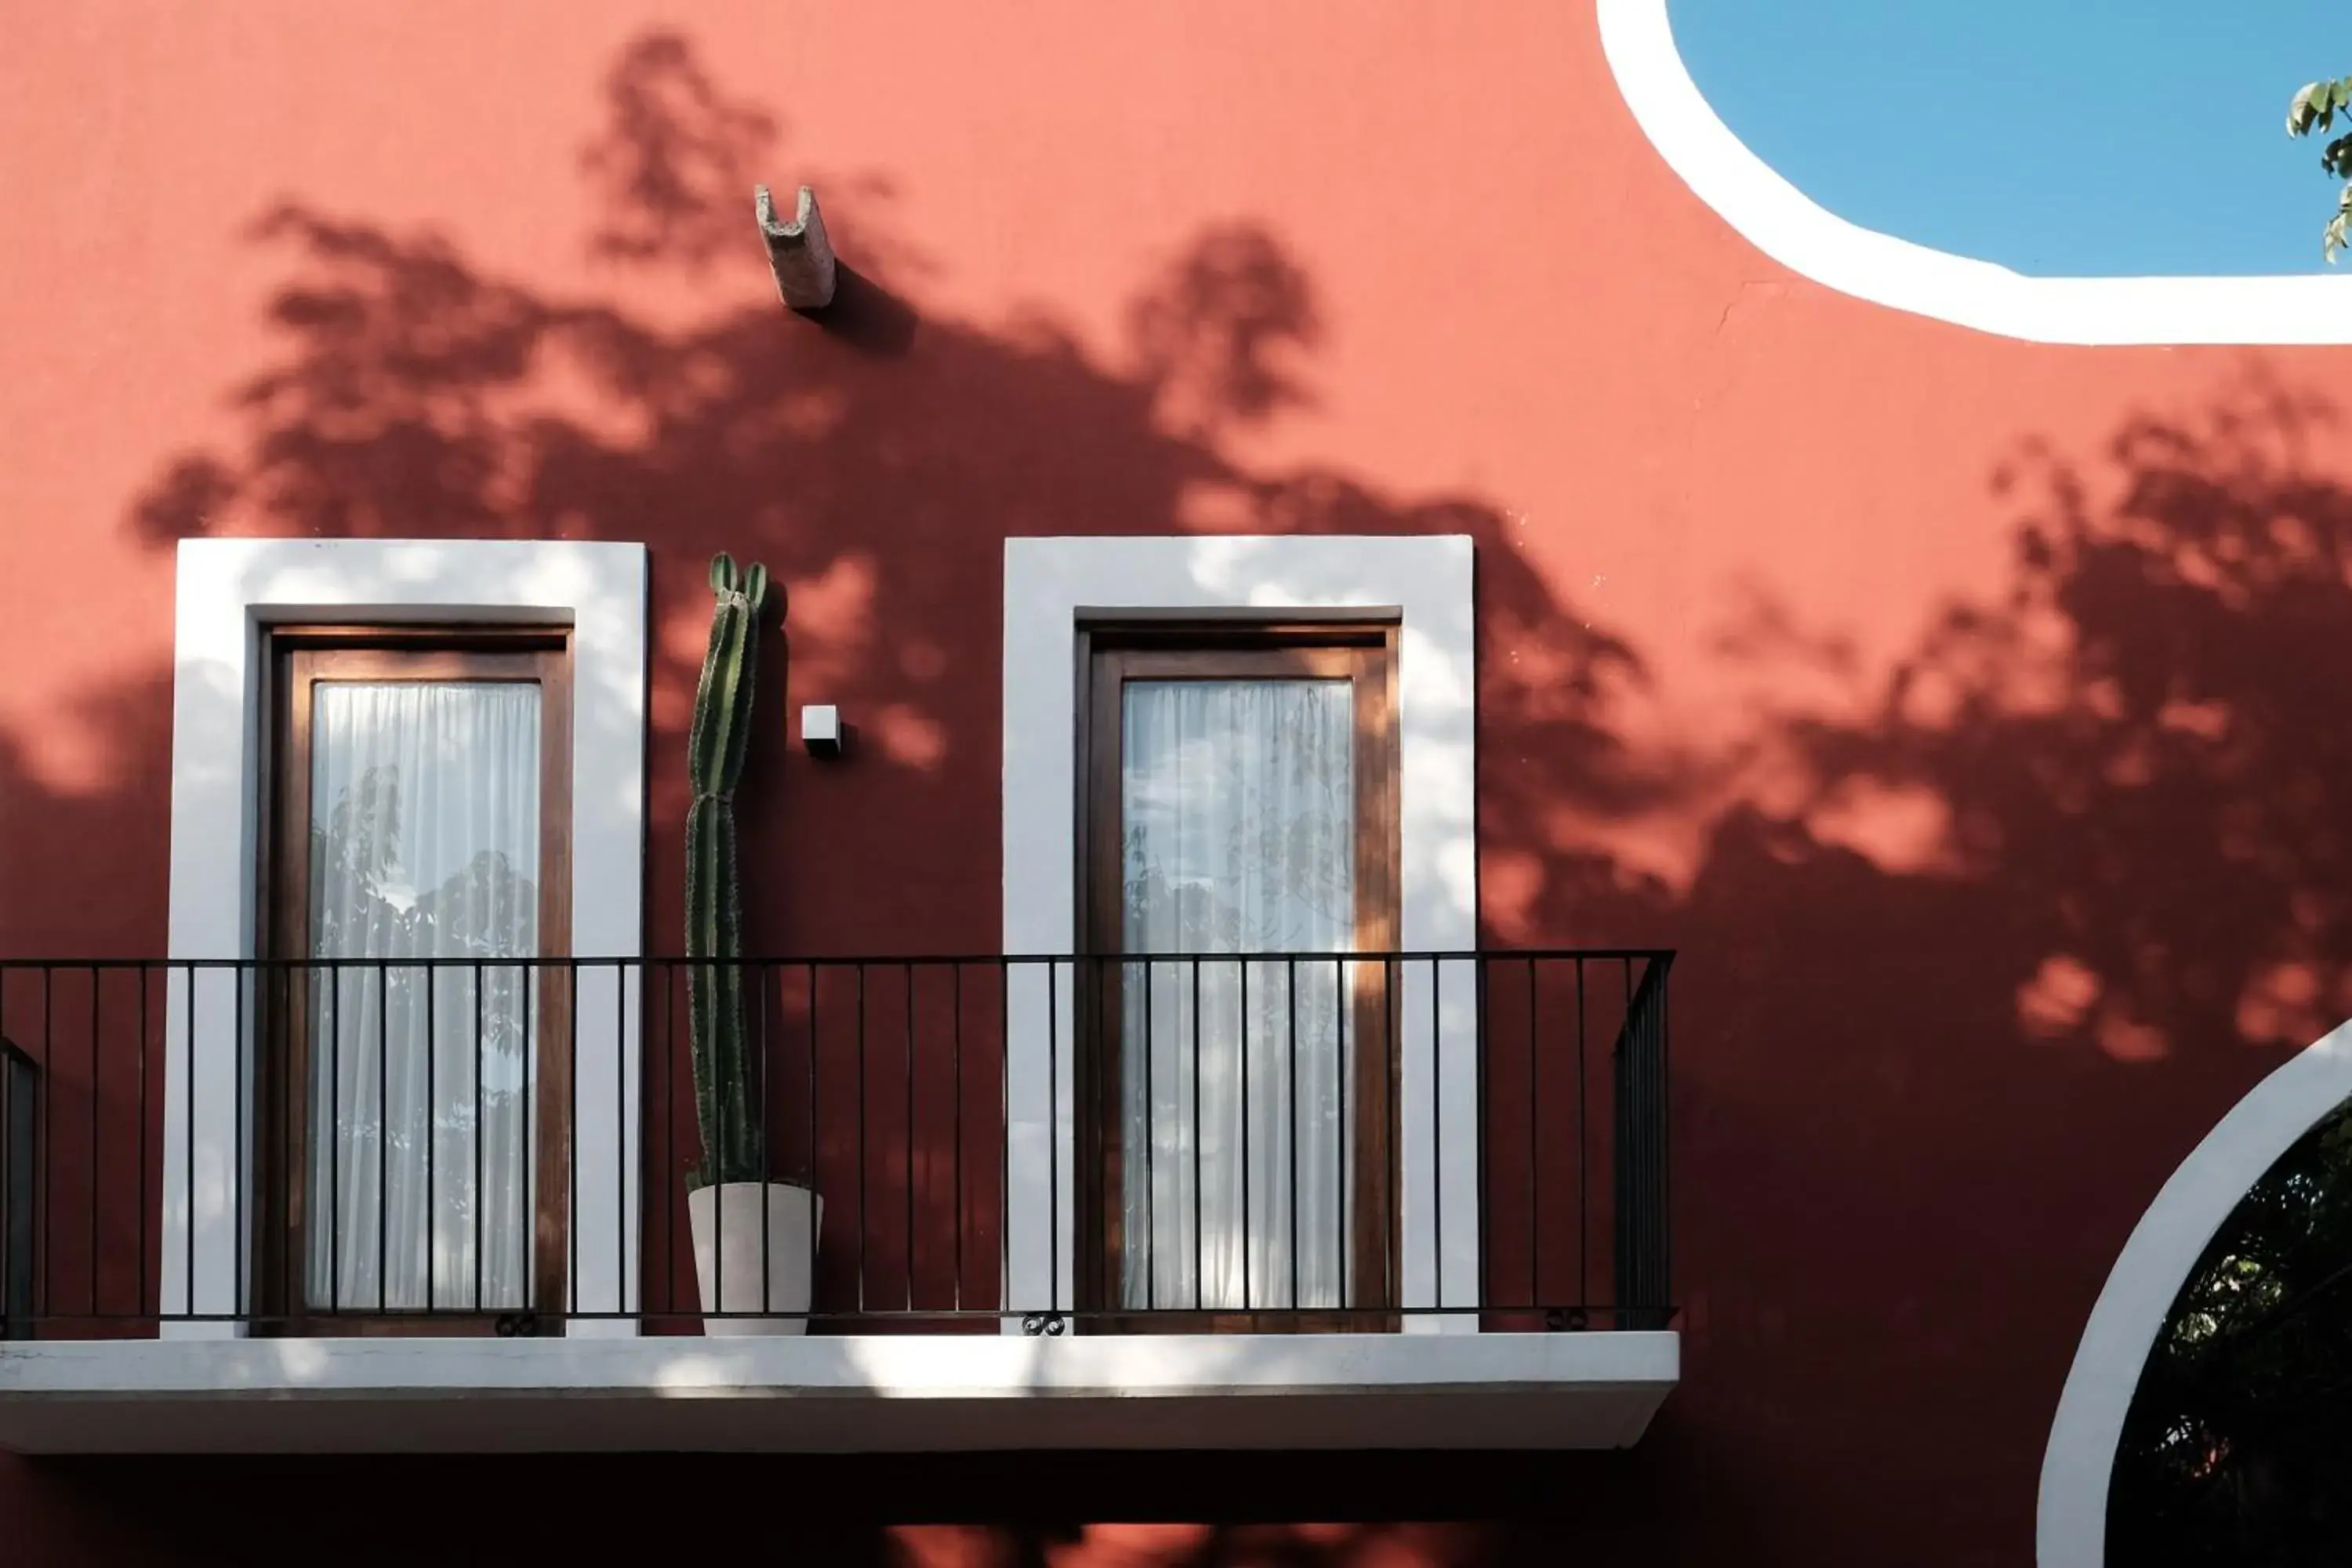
[297, 659]
[1109, 654]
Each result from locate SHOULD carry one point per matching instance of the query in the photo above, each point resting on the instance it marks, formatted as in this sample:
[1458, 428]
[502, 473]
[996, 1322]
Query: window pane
[1238, 812]
[424, 844]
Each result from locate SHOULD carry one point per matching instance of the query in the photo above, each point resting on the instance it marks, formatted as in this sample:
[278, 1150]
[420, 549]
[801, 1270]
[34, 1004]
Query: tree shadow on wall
[2080, 847]
[2084, 848]
[876, 461]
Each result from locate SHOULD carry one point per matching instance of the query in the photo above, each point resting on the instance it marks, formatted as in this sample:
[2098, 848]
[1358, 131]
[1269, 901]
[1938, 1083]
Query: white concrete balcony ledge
[869, 1394]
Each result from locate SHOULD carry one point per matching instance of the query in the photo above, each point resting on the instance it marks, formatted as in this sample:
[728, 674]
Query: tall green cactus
[726, 1084]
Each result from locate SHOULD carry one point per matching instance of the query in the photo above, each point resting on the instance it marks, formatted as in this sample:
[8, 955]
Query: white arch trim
[1788, 227]
[2071, 1532]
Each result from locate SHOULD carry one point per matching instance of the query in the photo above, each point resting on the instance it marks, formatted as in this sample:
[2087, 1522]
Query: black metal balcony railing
[20, 1089]
[1279, 1141]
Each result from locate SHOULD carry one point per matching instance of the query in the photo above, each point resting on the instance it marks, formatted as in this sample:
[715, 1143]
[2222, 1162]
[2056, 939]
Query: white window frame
[1424, 583]
[230, 591]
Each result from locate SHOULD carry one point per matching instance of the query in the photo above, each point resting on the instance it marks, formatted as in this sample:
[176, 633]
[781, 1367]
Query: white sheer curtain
[1239, 808]
[424, 844]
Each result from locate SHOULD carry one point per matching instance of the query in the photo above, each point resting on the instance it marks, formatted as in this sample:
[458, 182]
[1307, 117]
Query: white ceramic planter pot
[754, 1242]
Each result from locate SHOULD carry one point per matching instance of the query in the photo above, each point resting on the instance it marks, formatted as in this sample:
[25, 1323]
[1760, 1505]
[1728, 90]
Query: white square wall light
[820, 730]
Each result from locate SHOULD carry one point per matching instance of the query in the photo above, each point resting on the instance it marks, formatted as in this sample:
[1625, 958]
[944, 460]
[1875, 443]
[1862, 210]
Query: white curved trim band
[1793, 229]
[2071, 1532]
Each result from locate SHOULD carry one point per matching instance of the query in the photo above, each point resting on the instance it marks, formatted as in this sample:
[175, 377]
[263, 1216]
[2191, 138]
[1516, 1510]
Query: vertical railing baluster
[143, 1022]
[95, 986]
[713, 979]
[813, 1150]
[1004, 1137]
[239, 1167]
[530, 975]
[622, 1123]
[1437, 1133]
[767, 1220]
[1102, 1290]
[382, 1135]
[1054, 1136]
[21, 1090]
[1635, 1041]
[1665, 1181]
[1393, 1218]
[955, 1001]
[49, 1147]
[669, 1161]
[1200, 1193]
[907, 975]
[1583, 1156]
[861, 1136]
[1623, 1156]
[11, 1324]
[1242, 968]
[1290, 1006]
[481, 1188]
[1344, 1045]
[285, 1094]
[1535, 1145]
[1481, 1118]
[570, 1136]
[432, 1136]
[331, 1028]
[1653, 1287]
[1151, 1137]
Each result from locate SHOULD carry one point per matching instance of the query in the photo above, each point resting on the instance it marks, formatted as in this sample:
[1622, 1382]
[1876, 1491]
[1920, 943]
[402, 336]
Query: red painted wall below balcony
[1962, 709]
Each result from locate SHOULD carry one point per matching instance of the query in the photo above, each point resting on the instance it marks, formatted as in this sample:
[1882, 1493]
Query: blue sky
[2104, 137]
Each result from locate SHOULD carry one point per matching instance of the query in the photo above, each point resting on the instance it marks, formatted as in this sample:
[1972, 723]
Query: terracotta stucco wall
[1960, 709]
